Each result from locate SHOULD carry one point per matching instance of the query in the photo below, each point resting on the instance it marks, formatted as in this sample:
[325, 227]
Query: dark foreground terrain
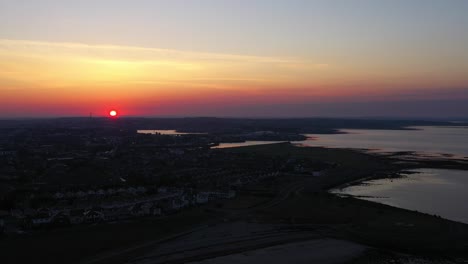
[292, 214]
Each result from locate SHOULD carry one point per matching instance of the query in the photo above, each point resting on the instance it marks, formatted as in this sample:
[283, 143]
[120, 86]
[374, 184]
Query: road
[223, 239]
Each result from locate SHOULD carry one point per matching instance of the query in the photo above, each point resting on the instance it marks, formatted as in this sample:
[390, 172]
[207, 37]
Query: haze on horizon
[234, 58]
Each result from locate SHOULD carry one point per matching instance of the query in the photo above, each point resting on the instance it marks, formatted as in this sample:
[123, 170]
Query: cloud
[84, 76]
[62, 64]
[38, 47]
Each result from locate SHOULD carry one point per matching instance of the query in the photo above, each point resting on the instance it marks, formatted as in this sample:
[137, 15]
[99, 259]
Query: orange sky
[78, 79]
[178, 57]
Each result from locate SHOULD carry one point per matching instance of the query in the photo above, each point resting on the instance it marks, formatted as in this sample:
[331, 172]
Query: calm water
[163, 132]
[440, 192]
[432, 191]
[434, 141]
[244, 144]
[429, 140]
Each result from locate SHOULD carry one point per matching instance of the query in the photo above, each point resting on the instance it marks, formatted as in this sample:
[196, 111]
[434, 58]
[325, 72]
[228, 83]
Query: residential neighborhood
[57, 176]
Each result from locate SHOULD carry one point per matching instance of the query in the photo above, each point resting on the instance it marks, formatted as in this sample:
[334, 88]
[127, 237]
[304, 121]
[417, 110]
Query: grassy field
[372, 223]
[363, 221]
[351, 165]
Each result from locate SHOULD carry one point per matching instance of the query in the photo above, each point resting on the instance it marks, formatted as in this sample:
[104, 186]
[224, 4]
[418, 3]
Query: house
[171, 204]
[41, 219]
[76, 216]
[7, 152]
[316, 173]
[122, 190]
[176, 204]
[59, 195]
[141, 189]
[201, 198]
[141, 209]
[155, 210]
[185, 200]
[17, 213]
[60, 219]
[3, 215]
[177, 152]
[221, 195]
[117, 213]
[111, 191]
[80, 194]
[237, 183]
[93, 215]
[162, 190]
[131, 190]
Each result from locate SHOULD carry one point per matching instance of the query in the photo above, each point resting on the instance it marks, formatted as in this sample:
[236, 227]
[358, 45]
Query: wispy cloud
[39, 47]
[66, 64]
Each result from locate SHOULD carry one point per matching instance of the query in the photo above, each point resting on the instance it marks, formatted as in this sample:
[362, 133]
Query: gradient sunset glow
[233, 58]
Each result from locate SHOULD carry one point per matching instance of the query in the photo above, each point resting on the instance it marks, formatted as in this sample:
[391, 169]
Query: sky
[251, 58]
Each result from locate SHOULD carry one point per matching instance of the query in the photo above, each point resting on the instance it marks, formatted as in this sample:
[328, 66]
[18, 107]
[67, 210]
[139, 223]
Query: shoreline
[297, 201]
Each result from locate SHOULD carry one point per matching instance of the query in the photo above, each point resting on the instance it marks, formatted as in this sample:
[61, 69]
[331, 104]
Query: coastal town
[142, 190]
[57, 177]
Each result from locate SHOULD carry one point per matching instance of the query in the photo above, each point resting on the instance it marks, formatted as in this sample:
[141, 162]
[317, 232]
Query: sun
[113, 113]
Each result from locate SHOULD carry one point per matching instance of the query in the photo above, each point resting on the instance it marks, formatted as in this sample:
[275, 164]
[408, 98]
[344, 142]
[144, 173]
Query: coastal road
[221, 240]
